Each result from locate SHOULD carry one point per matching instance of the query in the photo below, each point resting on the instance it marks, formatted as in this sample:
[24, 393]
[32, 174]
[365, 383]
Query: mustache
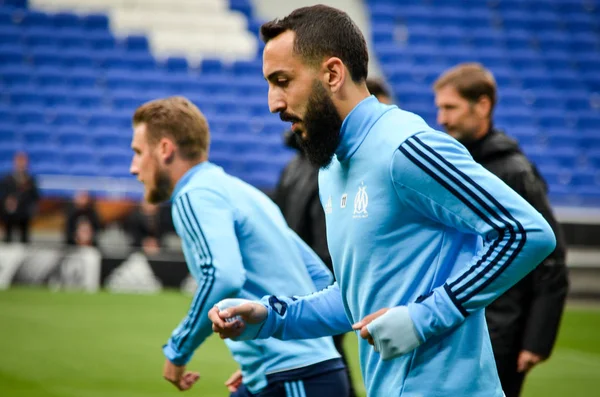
[288, 118]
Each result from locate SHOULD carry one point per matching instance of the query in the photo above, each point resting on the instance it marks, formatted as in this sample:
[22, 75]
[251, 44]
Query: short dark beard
[163, 187]
[323, 124]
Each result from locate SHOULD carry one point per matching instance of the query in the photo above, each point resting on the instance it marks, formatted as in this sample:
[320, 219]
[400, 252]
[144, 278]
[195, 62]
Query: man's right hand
[236, 314]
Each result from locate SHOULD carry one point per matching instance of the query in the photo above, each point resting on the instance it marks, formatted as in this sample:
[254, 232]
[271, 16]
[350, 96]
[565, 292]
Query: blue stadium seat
[558, 59]
[8, 134]
[73, 39]
[78, 58]
[177, 65]
[67, 116]
[27, 114]
[549, 99]
[492, 57]
[528, 136]
[247, 68]
[552, 40]
[589, 62]
[50, 76]
[82, 78]
[516, 20]
[26, 95]
[243, 6]
[589, 121]
[564, 137]
[578, 100]
[515, 117]
[9, 35]
[101, 40]
[452, 36]
[136, 43]
[15, 75]
[12, 54]
[105, 138]
[420, 35]
[212, 66]
[426, 55]
[486, 38]
[584, 42]
[548, 118]
[544, 20]
[591, 80]
[95, 22]
[65, 20]
[38, 135]
[382, 33]
[43, 155]
[36, 18]
[580, 22]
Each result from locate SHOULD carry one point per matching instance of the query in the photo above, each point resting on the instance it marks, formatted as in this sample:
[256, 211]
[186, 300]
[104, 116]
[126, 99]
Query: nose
[441, 117]
[133, 168]
[276, 101]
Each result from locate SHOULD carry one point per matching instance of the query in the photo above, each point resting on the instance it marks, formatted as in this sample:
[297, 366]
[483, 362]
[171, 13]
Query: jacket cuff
[436, 314]
[174, 356]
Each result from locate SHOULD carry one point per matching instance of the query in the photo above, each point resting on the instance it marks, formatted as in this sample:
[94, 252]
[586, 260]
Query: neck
[180, 167]
[483, 130]
[350, 96]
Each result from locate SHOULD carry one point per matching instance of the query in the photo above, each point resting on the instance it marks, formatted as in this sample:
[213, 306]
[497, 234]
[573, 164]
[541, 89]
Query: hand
[362, 325]
[234, 381]
[528, 360]
[179, 377]
[246, 313]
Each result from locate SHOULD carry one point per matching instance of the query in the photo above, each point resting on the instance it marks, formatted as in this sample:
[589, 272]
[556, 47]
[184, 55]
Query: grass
[90, 345]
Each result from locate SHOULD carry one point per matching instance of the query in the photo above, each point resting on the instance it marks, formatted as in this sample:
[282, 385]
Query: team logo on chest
[361, 201]
[328, 206]
[344, 199]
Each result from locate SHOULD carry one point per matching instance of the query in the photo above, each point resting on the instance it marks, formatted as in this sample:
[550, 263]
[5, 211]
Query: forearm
[196, 326]
[313, 316]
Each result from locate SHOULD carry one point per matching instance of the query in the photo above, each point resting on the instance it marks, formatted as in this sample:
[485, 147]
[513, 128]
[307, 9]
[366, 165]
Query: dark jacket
[74, 216]
[25, 192]
[527, 316]
[297, 195]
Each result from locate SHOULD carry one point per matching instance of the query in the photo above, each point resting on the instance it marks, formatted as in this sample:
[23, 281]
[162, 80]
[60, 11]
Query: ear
[483, 107]
[166, 150]
[335, 73]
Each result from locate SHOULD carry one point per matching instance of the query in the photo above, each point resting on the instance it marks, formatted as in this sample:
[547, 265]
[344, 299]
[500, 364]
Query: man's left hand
[362, 325]
[528, 360]
[178, 376]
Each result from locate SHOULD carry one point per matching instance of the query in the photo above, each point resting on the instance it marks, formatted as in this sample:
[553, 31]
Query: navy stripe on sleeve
[204, 260]
[466, 190]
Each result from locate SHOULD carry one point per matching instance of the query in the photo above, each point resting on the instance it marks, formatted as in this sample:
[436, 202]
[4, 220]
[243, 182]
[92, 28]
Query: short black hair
[323, 31]
[377, 87]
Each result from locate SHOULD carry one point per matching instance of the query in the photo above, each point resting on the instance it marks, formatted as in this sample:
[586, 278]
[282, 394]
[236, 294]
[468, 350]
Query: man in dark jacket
[18, 199]
[524, 322]
[297, 195]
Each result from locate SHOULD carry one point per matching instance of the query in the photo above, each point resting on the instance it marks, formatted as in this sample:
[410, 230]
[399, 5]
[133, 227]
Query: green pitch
[83, 345]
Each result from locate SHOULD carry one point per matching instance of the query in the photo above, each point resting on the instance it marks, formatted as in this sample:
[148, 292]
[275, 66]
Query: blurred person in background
[297, 195]
[378, 88]
[524, 321]
[19, 196]
[146, 226]
[236, 245]
[83, 223]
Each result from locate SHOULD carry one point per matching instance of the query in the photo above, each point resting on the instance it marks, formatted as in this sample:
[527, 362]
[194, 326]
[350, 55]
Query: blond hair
[176, 118]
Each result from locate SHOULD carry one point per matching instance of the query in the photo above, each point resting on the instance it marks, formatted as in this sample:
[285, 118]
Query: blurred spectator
[19, 196]
[524, 322]
[83, 222]
[147, 226]
[380, 90]
[297, 195]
